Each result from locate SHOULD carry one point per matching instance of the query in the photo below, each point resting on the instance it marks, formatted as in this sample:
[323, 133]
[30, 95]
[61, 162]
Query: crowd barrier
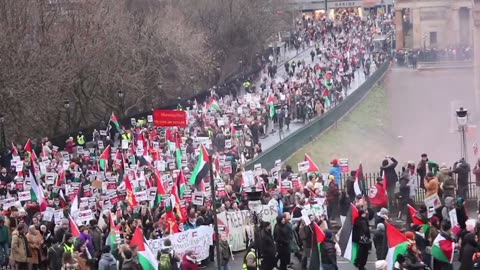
[289, 145]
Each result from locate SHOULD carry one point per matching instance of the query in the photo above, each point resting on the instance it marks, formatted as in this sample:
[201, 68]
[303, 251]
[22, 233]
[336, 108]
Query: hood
[108, 257]
[448, 201]
[469, 239]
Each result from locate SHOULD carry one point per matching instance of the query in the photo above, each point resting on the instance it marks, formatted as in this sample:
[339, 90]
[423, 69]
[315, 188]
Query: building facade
[433, 23]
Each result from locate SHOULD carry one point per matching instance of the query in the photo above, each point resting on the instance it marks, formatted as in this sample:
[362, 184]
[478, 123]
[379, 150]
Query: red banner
[169, 118]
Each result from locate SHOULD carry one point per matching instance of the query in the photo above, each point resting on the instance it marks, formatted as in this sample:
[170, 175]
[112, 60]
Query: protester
[268, 250]
[467, 251]
[225, 253]
[380, 242]
[107, 261]
[388, 171]
[329, 253]
[361, 236]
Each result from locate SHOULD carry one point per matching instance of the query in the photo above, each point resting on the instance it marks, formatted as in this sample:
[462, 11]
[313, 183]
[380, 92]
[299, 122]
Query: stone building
[433, 23]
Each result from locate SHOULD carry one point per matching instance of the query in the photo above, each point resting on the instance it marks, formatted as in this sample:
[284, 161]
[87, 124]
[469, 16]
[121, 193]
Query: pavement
[274, 138]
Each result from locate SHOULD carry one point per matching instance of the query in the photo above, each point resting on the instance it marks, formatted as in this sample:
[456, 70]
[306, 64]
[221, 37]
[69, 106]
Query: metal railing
[371, 178]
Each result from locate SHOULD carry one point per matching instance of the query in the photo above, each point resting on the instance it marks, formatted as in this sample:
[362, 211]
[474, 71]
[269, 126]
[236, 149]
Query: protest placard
[196, 240]
[24, 196]
[432, 203]
[303, 166]
[198, 198]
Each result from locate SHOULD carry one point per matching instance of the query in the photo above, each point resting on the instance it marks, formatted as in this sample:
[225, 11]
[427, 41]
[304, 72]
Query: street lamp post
[66, 105]
[462, 121]
[3, 141]
[122, 105]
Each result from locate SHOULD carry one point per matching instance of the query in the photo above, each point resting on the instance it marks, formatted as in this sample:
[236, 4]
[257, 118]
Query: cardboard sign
[286, 186]
[24, 196]
[48, 214]
[278, 163]
[124, 144]
[103, 133]
[227, 169]
[100, 145]
[198, 198]
[343, 163]
[9, 202]
[84, 216]
[150, 118]
[258, 169]
[133, 122]
[228, 143]
[432, 203]
[50, 178]
[221, 192]
[58, 216]
[303, 166]
[141, 196]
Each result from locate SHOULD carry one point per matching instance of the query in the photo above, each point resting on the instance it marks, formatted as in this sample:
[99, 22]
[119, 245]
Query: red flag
[160, 187]
[312, 166]
[132, 200]
[319, 234]
[378, 196]
[73, 228]
[394, 236]
[413, 213]
[14, 150]
[28, 146]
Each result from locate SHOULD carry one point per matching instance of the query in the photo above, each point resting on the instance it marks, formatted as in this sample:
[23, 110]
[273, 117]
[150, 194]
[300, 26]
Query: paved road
[274, 138]
[423, 105]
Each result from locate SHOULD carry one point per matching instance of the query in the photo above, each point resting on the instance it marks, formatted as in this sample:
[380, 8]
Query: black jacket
[282, 234]
[380, 242]
[469, 247]
[412, 262]
[329, 253]
[462, 170]
[390, 173]
[361, 231]
[130, 265]
[267, 248]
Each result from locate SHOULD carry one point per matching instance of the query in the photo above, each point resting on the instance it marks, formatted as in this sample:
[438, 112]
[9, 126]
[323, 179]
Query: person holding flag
[391, 178]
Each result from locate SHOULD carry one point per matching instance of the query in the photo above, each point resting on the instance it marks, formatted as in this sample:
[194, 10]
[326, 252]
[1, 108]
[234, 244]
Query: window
[433, 38]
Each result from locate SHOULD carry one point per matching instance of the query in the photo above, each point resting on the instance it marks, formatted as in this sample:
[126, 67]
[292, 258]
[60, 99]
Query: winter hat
[335, 162]
[448, 201]
[328, 235]
[380, 227]
[460, 201]
[410, 235]
[383, 212]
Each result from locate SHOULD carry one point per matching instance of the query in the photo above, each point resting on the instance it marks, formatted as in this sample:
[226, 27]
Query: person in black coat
[361, 236]
[282, 239]
[388, 169]
[462, 169]
[329, 253]
[469, 247]
[380, 242]
[267, 247]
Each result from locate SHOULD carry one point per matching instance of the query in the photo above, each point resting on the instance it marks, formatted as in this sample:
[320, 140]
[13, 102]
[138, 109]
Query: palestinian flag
[442, 249]
[359, 180]
[28, 146]
[178, 152]
[413, 213]
[319, 238]
[397, 244]
[104, 157]
[112, 236]
[348, 247]
[116, 124]
[161, 193]
[181, 184]
[14, 150]
[132, 200]
[73, 228]
[312, 166]
[36, 191]
[272, 109]
[213, 105]
[202, 167]
[146, 258]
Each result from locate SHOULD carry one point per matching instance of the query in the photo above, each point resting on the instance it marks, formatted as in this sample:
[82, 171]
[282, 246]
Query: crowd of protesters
[230, 127]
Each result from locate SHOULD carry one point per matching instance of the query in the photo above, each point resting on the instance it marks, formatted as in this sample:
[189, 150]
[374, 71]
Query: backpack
[165, 262]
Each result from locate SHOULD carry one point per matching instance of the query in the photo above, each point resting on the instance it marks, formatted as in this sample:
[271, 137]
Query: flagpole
[215, 219]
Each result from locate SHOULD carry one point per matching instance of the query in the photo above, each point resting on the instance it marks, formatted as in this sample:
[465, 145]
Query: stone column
[399, 35]
[417, 29]
[476, 51]
[455, 27]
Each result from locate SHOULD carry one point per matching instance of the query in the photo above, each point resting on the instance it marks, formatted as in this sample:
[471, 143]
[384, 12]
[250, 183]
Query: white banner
[236, 224]
[197, 240]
